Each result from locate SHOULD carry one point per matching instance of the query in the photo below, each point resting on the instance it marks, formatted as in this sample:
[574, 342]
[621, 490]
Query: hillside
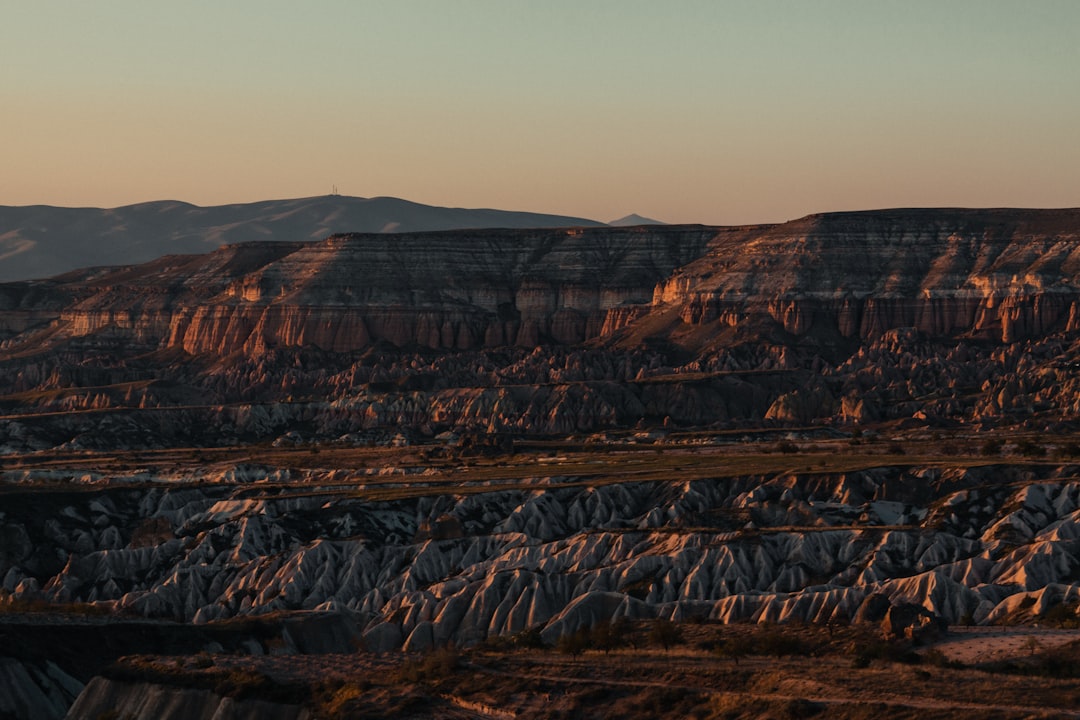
[40, 241]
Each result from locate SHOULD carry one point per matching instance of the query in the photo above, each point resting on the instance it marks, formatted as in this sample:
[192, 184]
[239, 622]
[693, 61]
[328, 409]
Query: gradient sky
[710, 111]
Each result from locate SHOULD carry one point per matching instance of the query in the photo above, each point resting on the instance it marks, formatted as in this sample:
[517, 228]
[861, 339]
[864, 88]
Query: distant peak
[635, 219]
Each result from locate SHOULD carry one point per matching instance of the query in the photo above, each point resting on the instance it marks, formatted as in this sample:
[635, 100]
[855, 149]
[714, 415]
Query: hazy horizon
[718, 113]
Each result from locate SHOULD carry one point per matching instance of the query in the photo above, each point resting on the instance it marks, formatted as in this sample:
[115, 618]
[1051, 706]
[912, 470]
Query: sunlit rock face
[446, 291]
[1004, 275]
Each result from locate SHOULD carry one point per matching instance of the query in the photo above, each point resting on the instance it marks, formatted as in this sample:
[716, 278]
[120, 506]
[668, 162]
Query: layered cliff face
[1004, 275]
[437, 290]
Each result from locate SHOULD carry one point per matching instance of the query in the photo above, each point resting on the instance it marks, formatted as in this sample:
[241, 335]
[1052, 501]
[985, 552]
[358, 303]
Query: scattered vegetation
[1061, 662]
[11, 605]
[666, 634]
[433, 667]
[1061, 615]
[237, 683]
[1030, 448]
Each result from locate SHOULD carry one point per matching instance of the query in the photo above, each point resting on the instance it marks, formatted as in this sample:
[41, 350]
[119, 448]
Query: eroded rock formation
[969, 545]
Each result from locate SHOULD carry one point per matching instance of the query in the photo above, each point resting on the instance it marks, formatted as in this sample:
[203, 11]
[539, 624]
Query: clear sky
[694, 111]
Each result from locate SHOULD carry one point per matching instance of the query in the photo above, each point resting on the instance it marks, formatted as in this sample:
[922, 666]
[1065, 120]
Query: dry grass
[788, 672]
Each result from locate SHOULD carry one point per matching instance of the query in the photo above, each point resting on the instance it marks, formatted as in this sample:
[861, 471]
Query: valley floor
[826, 676]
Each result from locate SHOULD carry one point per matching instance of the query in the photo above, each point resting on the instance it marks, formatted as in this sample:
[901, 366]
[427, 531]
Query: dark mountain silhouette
[40, 241]
[635, 219]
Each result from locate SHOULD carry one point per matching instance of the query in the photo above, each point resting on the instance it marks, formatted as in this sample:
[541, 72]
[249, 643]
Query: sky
[713, 111]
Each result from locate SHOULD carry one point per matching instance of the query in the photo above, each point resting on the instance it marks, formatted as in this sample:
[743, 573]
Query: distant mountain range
[634, 219]
[41, 241]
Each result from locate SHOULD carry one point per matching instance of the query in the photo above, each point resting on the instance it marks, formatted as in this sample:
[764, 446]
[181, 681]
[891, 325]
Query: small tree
[575, 643]
[1030, 448]
[1032, 644]
[608, 636]
[665, 633]
[734, 648]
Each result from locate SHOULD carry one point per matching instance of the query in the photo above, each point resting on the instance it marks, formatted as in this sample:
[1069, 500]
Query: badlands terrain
[786, 470]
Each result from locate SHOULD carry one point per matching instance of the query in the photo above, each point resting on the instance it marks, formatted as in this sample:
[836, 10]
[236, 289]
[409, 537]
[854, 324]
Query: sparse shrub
[1030, 448]
[734, 648]
[608, 636]
[787, 447]
[992, 446]
[575, 643]
[777, 643]
[665, 633]
[1061, 615]
[935, 657]
[435, 666]
[528, 639]
[243, 684]
[895, 448]
[203, 661]
[881, 650]
[797, 708]
[1070, 449]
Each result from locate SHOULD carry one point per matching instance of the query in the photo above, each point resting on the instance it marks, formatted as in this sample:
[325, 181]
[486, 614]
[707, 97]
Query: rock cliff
[1005, 275]
[436, 290]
